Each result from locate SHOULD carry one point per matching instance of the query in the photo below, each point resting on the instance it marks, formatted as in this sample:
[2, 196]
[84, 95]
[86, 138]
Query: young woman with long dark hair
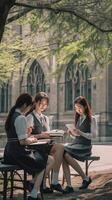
[17, 139]
[84, 128]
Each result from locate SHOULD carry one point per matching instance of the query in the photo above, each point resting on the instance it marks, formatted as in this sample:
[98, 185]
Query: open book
[56, 132]
[71, 128]
[41, 141]
[42, 144]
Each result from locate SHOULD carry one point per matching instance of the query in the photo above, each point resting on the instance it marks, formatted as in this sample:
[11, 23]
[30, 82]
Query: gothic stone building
[72, 83]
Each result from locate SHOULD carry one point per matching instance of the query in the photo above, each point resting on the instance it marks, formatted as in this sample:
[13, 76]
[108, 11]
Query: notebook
[56, 133]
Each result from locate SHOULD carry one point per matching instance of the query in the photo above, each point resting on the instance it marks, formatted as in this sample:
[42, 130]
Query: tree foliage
[80, 28]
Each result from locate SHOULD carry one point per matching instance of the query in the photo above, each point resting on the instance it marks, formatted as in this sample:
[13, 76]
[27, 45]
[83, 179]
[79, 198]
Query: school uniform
[81, 146]
[39, 124]
[15, 153]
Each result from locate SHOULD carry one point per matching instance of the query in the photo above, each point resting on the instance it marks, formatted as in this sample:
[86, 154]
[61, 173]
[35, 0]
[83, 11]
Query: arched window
[77, 82]
[35, 79]
[5, 98]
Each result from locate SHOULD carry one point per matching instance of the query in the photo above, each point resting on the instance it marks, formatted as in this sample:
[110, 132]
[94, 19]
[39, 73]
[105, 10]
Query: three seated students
[18, 136]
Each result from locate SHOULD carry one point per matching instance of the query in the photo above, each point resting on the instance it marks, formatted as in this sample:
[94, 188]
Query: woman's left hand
[77, 132]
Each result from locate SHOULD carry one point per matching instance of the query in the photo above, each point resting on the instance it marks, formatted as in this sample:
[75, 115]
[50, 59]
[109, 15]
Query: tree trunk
[5, 6]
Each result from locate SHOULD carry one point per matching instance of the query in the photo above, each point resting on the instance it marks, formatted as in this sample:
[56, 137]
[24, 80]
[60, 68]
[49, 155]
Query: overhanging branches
[63, 9]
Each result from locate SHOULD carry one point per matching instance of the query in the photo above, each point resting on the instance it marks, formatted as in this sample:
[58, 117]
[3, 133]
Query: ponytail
[24, 98]
[8, 120]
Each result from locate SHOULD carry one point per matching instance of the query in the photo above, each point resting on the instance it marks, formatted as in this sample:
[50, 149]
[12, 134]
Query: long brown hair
[83, 102]
[41, 95]
[38, 98]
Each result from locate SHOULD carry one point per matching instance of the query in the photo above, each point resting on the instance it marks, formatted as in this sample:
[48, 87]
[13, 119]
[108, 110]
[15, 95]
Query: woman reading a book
[40, 129]
[17, 139]
[84, 128]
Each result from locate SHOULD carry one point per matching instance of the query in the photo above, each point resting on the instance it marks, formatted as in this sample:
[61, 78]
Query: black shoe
[38, 198]
[47, 190]
[68, 190]
[31, 198]
[57, 187]
[29, 186]
[85, 184]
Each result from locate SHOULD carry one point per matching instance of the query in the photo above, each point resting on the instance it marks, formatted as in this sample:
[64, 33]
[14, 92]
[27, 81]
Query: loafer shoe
[68, 190]
[31, 198]
[47, 190]
[57, 187]
[29, 186]
[38, 197]
[85, 184]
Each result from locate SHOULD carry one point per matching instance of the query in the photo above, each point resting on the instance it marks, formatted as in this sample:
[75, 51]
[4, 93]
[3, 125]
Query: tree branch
[17, 16]
[4, 10]
[64, 10]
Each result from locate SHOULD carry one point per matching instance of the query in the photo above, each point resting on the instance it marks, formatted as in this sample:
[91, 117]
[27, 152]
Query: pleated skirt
[78, 151]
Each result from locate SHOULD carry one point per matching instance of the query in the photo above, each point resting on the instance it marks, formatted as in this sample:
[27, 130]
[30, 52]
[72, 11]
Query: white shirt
[21, 126]
[30, 120]
[94, 129]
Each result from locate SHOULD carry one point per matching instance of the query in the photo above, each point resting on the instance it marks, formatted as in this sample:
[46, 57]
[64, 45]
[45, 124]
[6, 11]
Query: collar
[37, 115]
[81, 119]
[18, 110]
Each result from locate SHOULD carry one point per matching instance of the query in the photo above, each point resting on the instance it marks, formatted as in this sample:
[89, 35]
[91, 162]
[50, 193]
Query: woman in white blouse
[85, 128]
[17, 139]
[40, 129]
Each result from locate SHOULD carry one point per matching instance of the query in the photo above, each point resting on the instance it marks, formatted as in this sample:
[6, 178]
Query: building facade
[73, 82]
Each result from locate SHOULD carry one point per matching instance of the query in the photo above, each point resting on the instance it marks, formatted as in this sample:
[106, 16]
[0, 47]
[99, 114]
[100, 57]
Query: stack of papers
[41, 141]
[56, 133]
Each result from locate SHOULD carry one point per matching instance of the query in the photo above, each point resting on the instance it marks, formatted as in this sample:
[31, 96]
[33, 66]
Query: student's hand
[32, 139]
[71, 132]
[45, 135]
[68, 131]
[76, 132]
[28, 140]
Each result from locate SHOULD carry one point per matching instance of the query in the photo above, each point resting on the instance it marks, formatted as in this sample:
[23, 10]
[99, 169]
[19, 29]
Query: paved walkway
[105, 163]
[105, 153]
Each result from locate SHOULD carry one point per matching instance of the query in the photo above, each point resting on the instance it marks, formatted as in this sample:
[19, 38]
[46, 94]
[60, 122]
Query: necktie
[41, 120]
[81, 120]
